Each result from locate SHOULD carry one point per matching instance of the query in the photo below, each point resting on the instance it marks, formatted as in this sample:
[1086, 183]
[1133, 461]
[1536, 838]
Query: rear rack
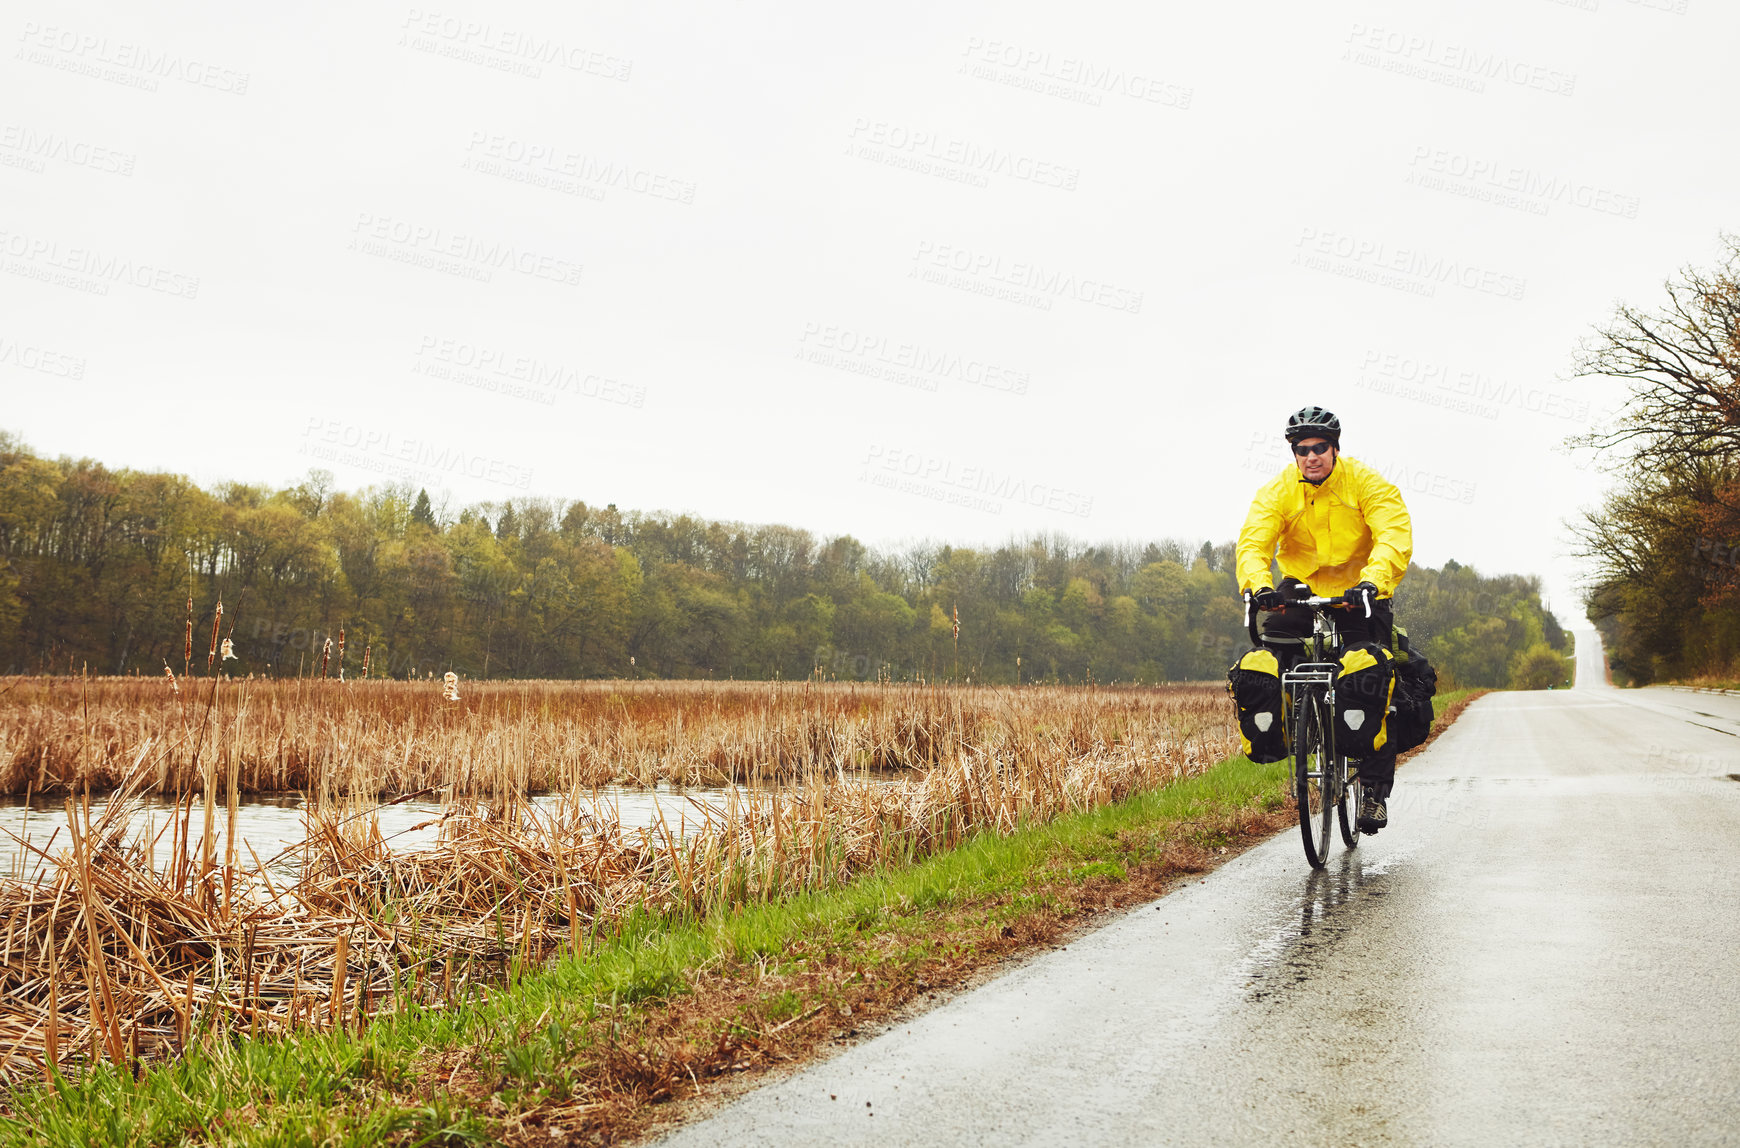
[1311, 673]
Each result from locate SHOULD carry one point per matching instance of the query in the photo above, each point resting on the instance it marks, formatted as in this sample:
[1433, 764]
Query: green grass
[535, 1041]
[1444, 701]
[1711, 683]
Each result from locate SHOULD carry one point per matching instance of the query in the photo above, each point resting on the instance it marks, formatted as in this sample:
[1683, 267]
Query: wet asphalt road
[1543, 948]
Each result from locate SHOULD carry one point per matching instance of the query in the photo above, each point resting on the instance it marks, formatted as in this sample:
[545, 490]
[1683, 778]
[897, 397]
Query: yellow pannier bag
[1362, 699]
[1254, 682]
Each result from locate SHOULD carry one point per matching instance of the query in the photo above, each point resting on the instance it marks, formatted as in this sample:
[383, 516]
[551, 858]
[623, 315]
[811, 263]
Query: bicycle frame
[1321, 671]
[1318, 675]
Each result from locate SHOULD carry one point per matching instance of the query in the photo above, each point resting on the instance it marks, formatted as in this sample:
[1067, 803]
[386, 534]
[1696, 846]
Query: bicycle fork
[1319, 677]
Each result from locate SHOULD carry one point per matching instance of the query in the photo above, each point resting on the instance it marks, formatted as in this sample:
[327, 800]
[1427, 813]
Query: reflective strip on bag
[1383, 735]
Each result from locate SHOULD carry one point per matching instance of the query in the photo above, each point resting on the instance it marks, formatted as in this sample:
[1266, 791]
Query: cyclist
[1340, 527]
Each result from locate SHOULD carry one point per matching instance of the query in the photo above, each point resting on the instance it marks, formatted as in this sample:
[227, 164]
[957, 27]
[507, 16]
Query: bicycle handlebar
[1315, 602]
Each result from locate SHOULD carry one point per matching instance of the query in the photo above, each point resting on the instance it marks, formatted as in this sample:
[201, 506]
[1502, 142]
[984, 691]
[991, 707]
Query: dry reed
[380, 737]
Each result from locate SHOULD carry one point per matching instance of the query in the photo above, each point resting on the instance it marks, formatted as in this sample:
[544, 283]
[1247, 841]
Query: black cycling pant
[1287, 630]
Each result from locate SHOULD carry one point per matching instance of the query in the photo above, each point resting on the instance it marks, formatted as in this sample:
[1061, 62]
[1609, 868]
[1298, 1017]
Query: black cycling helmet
[1314, 422]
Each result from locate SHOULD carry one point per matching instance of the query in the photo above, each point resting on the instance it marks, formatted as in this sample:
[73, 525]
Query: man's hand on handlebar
[1361, 597]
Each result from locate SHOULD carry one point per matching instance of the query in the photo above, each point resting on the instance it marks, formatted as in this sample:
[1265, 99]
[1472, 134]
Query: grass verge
[1725, 685]
[596, 1048]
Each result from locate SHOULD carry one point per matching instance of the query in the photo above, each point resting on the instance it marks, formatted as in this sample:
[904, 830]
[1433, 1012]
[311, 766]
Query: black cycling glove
[1268, 598]
[1362, 597]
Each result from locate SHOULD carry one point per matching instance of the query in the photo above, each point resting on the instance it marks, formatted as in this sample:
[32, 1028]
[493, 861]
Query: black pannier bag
[1362, 699]
[1416, 685]
[1255, 685]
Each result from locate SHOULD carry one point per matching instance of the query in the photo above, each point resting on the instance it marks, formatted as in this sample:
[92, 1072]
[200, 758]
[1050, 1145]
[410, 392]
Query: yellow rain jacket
[1352, 528]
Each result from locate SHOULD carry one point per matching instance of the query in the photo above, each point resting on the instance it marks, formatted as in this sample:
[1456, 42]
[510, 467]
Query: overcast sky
[904, 271]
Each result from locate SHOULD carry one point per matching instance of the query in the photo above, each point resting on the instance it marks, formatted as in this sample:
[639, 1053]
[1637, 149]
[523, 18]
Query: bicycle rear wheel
[1311, 774]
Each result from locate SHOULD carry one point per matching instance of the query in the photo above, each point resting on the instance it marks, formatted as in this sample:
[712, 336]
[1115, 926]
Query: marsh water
[271, 824]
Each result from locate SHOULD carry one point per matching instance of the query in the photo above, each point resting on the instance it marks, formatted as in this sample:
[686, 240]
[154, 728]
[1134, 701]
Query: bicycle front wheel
[1312, 777]
[1347, 812]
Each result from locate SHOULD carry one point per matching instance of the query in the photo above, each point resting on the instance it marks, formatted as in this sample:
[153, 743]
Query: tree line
[98, 567]
[1664, 545]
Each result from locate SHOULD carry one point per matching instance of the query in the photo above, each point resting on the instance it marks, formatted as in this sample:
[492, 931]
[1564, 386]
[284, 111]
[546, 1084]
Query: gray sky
[908, 271]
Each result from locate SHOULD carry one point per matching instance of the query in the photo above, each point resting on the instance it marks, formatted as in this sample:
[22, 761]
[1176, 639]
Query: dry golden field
[387, 737]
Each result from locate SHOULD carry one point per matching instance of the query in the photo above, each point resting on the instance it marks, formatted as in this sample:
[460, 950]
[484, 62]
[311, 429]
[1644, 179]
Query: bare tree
[1682, 362]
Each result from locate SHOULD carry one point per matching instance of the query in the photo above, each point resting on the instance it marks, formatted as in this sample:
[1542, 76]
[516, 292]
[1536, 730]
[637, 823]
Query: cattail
[450, 686]
[340, 968]
[52, 1064]
[187, 654]
[367, 646]
[170, 674]
[341, 653]
[216, 621]
[325, 655]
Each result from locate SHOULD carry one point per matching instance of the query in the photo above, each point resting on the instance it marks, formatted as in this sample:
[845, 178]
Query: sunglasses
[1303, 449]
